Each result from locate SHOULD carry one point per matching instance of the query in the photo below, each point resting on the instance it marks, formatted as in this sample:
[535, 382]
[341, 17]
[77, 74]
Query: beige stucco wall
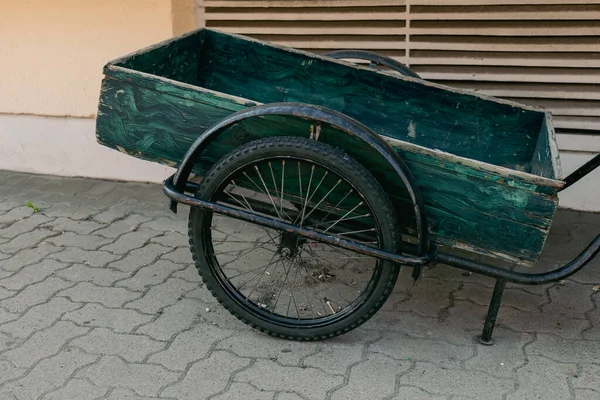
[53, 50]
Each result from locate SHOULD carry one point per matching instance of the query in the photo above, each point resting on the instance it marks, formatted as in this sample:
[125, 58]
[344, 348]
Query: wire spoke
[312, 171]
[264, 270]
[342, 218]
[241, 194]
[267, 190]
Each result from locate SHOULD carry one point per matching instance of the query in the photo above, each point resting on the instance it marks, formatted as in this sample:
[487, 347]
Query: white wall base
[585, 194]
[68, 147]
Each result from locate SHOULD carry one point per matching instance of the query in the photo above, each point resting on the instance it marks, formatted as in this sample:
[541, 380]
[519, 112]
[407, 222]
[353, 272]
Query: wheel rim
[278, 276]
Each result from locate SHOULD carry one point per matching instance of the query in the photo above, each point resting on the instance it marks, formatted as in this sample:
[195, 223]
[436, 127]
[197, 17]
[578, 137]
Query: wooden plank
[156, 118]
[403, 109]
[161, 128]
[546, 161]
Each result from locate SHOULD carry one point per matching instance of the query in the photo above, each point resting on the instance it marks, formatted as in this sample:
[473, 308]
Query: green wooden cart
[312, 179]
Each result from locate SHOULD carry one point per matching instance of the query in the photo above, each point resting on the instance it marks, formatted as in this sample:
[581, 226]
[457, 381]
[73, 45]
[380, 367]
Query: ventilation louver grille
[532, 51]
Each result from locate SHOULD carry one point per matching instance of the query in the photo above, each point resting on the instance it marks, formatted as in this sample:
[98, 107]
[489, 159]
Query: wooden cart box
[488, 169]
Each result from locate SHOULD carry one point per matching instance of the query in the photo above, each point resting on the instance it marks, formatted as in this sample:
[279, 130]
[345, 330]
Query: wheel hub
[290, 244]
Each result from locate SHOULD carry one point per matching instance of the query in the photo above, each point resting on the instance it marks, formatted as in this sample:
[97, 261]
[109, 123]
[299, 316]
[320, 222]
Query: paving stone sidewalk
[99, 300]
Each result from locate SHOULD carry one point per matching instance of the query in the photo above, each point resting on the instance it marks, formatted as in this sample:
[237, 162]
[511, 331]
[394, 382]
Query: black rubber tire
[346, 167]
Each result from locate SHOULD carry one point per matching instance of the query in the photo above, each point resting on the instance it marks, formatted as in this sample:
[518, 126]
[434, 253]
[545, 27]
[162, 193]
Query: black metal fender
[374, 58]
[321, 114]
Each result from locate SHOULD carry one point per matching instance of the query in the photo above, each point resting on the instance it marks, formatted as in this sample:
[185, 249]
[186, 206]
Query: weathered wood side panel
[546, 160]
[178, 60]
[413, 111]
[482, 211]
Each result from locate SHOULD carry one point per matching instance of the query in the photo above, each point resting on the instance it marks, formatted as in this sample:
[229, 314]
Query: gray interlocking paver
[173, 319]
[141, 306]
[85, 292]
[588, 377]
[166, 224]
[32, 274]
[97, 276]
[39, 317]
[116, 229]
[127, 394]
[138, 258]
[162, 295]
[150, 275]
[429, 297]
[171, 239]
[288, 396]
[312, 383]
[181, 256]
[29, 256]
[568, 298]
[373, 378]
[35, 294]
[49, 374]
[144, 379]
[119, 320]
[78, 213]
[414, 393]
[130, 241]
[4, 293]
[131, 347]
[513, 297]
[458, 382]
[9, 372]
[43, 343]
[207, 377]
[335, 358]
[543, 378]
[87, 257]
[85, 242]
[189, 346]
[502, 358]
[77, 389]
[15, 214]
[438, 351]
[26, 240]
[24, 225]
[568, 351]
[63, 224]
[262, 346]
[586, 394]
[244, 391]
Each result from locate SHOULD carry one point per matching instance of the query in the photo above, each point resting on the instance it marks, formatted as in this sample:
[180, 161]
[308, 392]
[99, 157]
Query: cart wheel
[275, 281]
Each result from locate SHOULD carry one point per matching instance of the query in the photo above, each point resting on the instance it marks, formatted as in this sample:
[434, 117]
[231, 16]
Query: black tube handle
[582, 171]
[523, 278]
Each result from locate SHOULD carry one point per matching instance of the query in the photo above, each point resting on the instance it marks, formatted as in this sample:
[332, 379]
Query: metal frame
[176, 186]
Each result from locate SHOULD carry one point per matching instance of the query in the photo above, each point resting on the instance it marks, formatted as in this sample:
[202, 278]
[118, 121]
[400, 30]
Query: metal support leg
[490, 319]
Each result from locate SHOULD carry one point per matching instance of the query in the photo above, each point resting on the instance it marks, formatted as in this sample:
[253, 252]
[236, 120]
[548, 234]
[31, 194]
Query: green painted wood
[472, 205]
[546, 160]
